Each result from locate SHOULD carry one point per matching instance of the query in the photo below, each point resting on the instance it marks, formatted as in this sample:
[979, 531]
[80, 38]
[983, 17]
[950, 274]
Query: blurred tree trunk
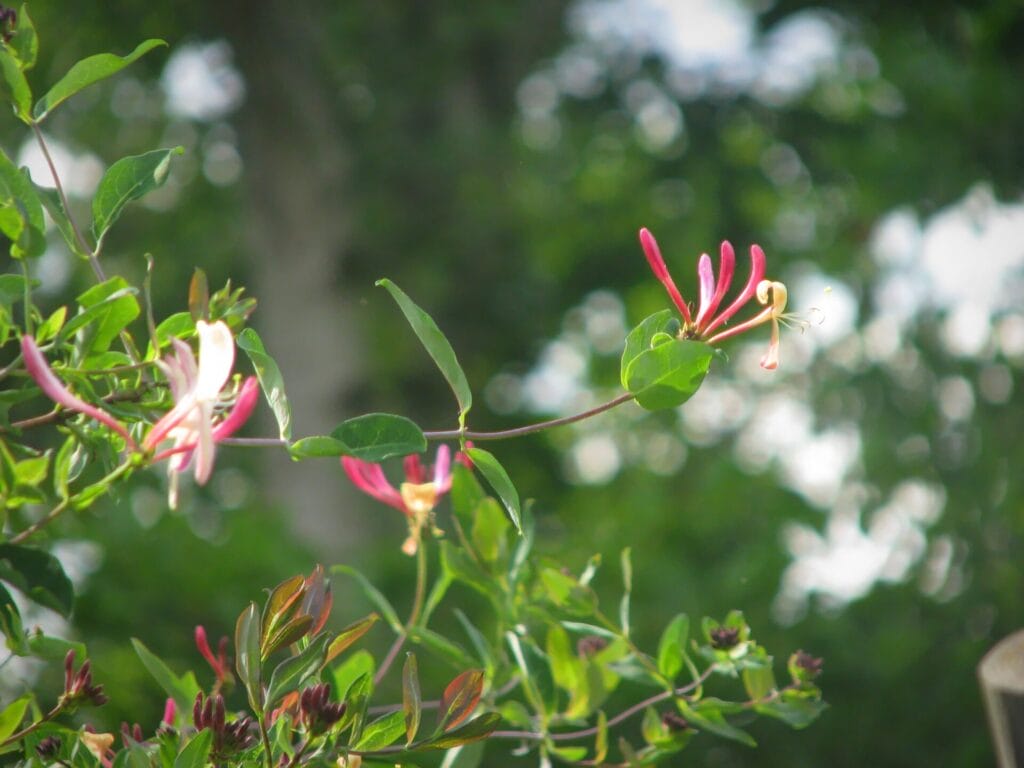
[295, 174]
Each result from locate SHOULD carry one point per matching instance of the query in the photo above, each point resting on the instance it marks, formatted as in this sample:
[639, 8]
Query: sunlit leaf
[12, 715]
[247, 653]
[14, 87]
[668, 374]
[383, 731]
[130, 178]
[436, 344]
[292, 673]
[270, 379]
[671, 646]
[478, 728]
[378, 436]
[25, 42]
[460, 698]
[86, 72]
[350, 635]
[196, 752]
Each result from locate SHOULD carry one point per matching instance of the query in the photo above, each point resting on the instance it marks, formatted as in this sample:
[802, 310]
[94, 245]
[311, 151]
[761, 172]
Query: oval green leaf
[270, 378]
[641, 338]
[668, 374]
[412, 701]
[378, 436]
[126, 180]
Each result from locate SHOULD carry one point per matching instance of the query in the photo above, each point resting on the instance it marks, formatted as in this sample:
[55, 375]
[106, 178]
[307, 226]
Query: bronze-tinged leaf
[289, 633]
[281, 599]
[412, 702]
[460, 698]
[199, 296]
[349, 635]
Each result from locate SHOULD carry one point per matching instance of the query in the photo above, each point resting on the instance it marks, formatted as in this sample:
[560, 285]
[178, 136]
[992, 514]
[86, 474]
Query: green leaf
[292, 673]
[359, 665]
[489, 530]
[270, 379]
[668, 374]
[436, 345]
[182, 689]
[247, 654]
[601, 739]
[793, 708]
[478, 728]
[18, 191]
[383, 731]
[14, 87]
[466, 493]
[441, 646]
[758, 681]
[460, 698]
[12, 716]
[52, 325]
[356, 699]
[196, 752]
[25, 43]
[130, 178]
[86, 72]
[641, 338]
[317, 447]
[38, 575]
[412, 701]
[671, 646]
[106, 310]
[711, 719]
[378, 436]
[375, 596]
[500, 482]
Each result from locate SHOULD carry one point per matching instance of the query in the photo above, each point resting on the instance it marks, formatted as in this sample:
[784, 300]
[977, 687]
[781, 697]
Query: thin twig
[453, 434]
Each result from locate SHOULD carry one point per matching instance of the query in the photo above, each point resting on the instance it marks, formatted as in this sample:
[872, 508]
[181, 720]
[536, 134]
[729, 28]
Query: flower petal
[654, 258]
[757, 266]
[370, 479]
[205, 447]
[726, 268]
[443, 470]
[53, 388]
[216, 358]
[245, 404]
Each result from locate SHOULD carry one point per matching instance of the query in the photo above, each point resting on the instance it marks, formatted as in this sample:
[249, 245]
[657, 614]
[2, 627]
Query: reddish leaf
[460, 698]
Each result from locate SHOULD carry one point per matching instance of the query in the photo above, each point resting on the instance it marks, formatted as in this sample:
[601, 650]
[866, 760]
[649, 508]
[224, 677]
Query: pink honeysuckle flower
[54, 388]
[196, 389]
[415, 498]
[704, 327]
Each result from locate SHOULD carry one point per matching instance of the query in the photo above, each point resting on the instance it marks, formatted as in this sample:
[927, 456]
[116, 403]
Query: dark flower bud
[724, 638]
[48, 748]
[317, 712]
[674, 721]
[78, 686]
[803, 667]
[590, 645]
[131, 735]
[228, 737]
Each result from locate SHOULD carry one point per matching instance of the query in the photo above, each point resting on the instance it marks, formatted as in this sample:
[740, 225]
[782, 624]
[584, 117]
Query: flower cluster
[194, 425]
[705, 326]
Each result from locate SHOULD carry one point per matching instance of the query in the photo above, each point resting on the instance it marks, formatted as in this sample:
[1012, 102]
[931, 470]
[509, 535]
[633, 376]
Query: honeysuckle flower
[193, 424]
[415, 498]
[705, 326]
[196, 389]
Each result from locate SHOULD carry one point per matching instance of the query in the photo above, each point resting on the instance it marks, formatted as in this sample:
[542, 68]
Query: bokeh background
[496, 160]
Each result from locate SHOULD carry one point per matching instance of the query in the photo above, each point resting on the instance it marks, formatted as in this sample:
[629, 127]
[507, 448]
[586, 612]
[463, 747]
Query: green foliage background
[403, 120]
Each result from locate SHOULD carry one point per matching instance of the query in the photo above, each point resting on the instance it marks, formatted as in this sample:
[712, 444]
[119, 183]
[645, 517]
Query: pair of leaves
[372, 437]
[660, 370]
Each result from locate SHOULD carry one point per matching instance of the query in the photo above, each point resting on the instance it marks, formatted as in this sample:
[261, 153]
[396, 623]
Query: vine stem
[414, 614]
[619, 718]
[468, 434]
[94, 261]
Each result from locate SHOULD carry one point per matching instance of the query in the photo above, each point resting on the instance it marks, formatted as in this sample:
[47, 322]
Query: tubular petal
[654, 258]
[216, 357]
[53, 388]
[245, 404]
[442, 469]
[756, 276]
[726, 269]
[369, 478]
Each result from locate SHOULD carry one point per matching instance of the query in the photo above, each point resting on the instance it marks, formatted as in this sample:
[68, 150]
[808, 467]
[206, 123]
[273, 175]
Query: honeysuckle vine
[181, 392]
